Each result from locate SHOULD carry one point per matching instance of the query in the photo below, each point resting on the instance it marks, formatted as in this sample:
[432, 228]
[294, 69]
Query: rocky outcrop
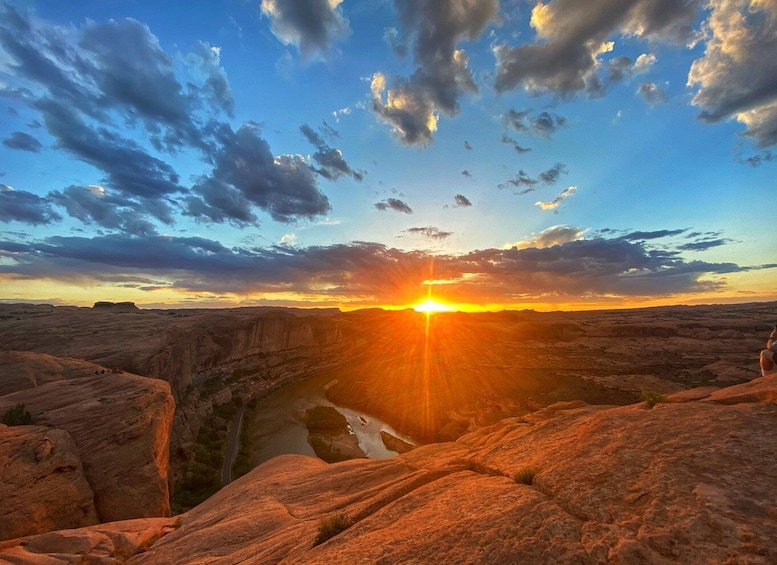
[120, 424]
[115, 306]
[23, 369]
[683, 482]
[42, 483]
[106, 544]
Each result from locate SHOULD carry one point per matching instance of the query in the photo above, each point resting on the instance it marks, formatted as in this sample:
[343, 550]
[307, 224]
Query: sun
[429, 306]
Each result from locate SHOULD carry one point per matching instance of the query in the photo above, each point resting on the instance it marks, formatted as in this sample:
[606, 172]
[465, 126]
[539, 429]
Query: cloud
[219, 202]
[703, 245]
[645, 235]
[554, 235]
[442, 75]
[332, 165]
[521, 179]
[371, 273]
[558, 200]
[394, 204]
[652, 94]
[246, 172]
[572, 37]
[205, 60]
[128, 167]
[506, 139]
[644, 63]
[734, 78]
[94, 204]
[23, 142]
[547, 177]
[310, 25]
[552, 175]
[25, 207]
[430, 233]
[462, 200]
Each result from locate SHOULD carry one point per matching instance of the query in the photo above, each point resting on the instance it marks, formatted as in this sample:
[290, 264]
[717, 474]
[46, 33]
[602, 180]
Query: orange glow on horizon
[430, 306]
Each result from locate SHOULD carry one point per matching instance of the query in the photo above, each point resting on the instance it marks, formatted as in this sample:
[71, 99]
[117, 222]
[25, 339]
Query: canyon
[536, 437]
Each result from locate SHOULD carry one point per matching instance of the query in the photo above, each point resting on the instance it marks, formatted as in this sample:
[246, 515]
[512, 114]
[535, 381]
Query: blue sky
[315, 152]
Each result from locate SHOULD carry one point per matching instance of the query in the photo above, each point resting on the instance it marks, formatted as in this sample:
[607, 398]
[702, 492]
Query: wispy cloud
[558, 200]
[394, 204]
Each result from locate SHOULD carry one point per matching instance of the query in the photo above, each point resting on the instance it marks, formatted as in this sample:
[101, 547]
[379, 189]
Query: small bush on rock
[17, 416]
[332, 526]
[652, 397]
[526, 475]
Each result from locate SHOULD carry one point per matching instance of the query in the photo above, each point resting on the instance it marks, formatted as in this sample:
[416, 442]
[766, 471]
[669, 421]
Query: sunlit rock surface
[42, 482]
[120, 424]
[683, 482]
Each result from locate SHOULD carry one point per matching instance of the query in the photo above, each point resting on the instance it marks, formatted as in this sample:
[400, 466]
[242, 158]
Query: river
[277, 428]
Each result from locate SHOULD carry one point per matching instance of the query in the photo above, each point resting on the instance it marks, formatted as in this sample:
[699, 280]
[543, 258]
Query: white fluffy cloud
[737, 76]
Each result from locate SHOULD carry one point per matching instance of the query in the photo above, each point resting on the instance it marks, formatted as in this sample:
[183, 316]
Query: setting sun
[429, 306]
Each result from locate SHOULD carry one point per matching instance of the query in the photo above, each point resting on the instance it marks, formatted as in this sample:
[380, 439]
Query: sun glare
[430, 306]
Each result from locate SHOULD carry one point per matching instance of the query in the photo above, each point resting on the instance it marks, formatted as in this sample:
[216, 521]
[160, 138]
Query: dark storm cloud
[462, 200]
[430, 232]
[433, 28]
[376, 273]
[543, 125]
[26, 207]
[93, 204]
[331, 163]
[23, 141]
[506, 139]
[652, 94]
[734, 78]
[311, 25]
[394, 204]
[571, 38]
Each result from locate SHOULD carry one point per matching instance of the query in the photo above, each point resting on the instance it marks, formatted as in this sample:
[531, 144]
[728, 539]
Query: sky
[325, 153]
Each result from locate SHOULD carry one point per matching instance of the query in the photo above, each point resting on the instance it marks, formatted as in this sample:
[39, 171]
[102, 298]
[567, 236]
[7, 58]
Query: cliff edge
[120, 427]
[683, 482]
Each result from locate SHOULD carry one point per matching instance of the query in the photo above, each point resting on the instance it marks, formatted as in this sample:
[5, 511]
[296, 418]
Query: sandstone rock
[106, 544]
[121, 427]
[23, 369]
[691, 482]
[394, 443]
[42, 483]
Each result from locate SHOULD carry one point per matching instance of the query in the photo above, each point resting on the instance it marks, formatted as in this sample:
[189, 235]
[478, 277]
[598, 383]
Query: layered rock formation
[42, 484]
[22, 369]
[173, 345]
[684, 482]
[120, 424]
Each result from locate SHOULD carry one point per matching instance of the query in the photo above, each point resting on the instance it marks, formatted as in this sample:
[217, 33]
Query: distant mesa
[116, 306]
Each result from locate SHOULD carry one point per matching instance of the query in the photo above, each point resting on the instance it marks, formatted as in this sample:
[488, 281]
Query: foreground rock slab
[683, 482]
[42, 482]
[120, 424]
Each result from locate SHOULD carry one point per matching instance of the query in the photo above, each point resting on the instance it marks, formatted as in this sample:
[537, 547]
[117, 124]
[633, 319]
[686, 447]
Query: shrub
[652, 397]
[526, 475]
[17, 416]
[330, 527]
